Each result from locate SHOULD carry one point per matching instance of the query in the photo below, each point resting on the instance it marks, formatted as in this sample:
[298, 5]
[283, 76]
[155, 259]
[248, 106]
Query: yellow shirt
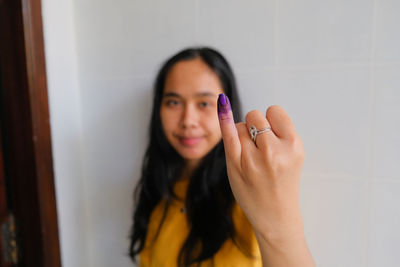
[164, 250]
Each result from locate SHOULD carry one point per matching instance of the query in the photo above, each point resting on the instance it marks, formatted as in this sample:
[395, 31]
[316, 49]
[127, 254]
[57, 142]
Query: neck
[189, 168]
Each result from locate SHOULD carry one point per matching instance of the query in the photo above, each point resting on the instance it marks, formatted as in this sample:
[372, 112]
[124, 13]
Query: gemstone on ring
[254, 132]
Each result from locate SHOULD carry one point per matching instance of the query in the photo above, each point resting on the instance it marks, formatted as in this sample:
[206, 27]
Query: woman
[186, 213]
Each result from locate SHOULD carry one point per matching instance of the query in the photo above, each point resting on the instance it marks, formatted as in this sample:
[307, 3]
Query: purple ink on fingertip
[224, 106]
[222, 99]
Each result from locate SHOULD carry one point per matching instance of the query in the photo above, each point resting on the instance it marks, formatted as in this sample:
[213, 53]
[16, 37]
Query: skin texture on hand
[264, 177]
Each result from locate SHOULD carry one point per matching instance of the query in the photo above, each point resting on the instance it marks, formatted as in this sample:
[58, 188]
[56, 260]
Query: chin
[192, 156]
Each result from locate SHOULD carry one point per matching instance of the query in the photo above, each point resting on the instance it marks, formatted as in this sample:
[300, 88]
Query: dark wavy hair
[209, 200]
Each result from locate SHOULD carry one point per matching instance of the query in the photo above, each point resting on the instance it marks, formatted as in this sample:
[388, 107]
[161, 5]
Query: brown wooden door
[26, 173]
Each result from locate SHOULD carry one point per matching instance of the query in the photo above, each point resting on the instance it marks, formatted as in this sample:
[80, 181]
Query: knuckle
[250, 116]
[270, 154]
[296, 146]
[278, 166]
[299, 152]
[275, 160]
[293, 140]
[225, 118]
[241, 127]
[296, 155]
[282, 159]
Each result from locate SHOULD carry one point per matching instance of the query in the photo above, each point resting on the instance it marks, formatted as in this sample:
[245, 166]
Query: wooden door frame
[26, 132]
[4, 212]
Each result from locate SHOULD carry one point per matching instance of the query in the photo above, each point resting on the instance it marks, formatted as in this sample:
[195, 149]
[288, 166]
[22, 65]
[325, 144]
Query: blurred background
[334, 65]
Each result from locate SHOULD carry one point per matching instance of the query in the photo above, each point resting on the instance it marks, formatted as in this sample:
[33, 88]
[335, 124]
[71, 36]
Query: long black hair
[209, 200]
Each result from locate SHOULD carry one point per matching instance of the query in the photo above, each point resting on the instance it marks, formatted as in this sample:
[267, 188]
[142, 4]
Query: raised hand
[264, 175]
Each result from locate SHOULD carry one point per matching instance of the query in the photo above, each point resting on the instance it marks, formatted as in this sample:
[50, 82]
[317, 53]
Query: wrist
[285, 246]
[282, 232]
[282, 223]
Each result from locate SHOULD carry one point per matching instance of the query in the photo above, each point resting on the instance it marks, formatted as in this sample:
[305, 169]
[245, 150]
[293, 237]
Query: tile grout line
[372, 133]
[322, 67]
[272, 67]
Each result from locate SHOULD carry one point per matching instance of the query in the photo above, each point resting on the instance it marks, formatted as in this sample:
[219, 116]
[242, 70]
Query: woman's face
[189, 109]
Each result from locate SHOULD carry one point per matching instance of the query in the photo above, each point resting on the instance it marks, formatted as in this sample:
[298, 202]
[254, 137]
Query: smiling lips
[189, 141]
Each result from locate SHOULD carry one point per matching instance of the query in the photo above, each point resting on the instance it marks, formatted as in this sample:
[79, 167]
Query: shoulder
[243, 249]
[245, 238]
[239, 218]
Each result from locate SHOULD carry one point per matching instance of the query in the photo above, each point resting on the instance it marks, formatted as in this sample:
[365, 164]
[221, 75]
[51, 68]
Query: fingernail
[224, 106]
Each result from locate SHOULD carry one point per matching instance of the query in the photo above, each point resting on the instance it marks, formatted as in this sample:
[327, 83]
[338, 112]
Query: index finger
[228, 129]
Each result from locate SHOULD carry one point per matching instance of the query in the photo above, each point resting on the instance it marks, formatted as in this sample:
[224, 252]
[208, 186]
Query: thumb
[228, 128]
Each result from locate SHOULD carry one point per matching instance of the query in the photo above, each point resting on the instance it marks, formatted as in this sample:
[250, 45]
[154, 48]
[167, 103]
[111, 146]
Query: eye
[204, 104]
[171, 102]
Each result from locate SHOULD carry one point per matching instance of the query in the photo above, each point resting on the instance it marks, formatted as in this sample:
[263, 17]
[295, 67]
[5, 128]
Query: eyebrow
[173, 94]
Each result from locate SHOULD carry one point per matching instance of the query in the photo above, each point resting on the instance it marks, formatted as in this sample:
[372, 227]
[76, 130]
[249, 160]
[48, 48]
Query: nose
[190, 117]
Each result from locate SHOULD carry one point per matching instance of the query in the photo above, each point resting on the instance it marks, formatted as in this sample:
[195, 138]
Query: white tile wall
[334, 218]
[387, 124]
[116, 122]
[125, 38]
[384, 234]
[256, 89]
[244, 32]
[329, 107]
[334, 65]
[387, 31]
[312, 32]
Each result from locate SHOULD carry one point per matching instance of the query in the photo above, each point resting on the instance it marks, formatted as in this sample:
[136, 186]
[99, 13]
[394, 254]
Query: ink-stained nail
[224, 106]
[222, 99]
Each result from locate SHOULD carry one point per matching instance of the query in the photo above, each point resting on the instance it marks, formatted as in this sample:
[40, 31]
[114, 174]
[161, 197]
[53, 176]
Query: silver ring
[254, 132]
